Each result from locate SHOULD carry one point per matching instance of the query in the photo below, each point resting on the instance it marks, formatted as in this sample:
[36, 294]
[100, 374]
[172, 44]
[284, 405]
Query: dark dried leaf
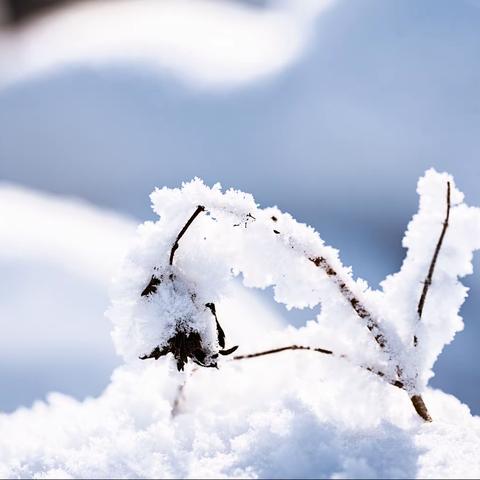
[229, 351]
[151, 287]
[184, 346]
[220, 332]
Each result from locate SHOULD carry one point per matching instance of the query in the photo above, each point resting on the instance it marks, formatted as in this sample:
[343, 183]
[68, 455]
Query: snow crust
[289, 415]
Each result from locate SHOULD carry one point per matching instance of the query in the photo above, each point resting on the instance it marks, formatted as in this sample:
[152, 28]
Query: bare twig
[154, 280]
[180, 395]
[417, 400]
[431, 269]
[199, 209]
[395, 383]
[359, 308]
[371, 323]
[282, 349]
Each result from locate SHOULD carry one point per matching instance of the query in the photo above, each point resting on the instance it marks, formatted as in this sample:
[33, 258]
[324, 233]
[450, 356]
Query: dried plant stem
[154, 280]
[373, 327]
[420, 407]
[195, 214]
[431, 269]
[282, 349]
[359, 308]
[180, 395]
[395, 383]
[417, 400]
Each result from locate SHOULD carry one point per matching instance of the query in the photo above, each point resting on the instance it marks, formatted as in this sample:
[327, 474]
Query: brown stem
[431, 269]
[420, 407]
[395, 383]
[365, 315]
[199, 209]
[281, 349]
[359, 308]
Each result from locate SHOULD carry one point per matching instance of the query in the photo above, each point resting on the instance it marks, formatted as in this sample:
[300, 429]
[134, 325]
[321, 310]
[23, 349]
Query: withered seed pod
[185, 343]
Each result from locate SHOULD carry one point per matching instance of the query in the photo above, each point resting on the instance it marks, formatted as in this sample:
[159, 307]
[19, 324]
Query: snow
[294, 414]
[69, 232]
[243, 421]
[203, 42]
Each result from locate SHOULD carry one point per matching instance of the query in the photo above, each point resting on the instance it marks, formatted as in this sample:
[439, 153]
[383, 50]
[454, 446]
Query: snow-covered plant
[183, 264]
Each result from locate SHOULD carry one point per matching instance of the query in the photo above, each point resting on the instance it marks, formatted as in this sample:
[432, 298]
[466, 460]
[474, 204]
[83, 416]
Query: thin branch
[155, 281]
[395, 383]
[371, 323]
[417, 400]
[199, 209]
[359, 308]
[180, 395]
[431, 269]
[282, 349]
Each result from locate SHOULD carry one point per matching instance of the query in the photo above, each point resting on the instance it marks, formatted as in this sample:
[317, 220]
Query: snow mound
[243, 422]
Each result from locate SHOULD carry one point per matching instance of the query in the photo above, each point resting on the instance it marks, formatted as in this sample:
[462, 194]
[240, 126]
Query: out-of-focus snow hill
[57, 257]
[204, 42]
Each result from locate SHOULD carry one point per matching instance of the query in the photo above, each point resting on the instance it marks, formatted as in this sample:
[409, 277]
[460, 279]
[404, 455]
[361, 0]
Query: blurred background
[330, 109]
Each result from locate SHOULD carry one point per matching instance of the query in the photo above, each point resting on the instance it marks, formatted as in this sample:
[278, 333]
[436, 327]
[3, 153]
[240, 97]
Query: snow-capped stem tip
[195, 214]
[431, 269]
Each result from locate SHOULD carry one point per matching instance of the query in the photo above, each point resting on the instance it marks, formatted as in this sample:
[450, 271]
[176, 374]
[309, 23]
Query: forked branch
[360, 309]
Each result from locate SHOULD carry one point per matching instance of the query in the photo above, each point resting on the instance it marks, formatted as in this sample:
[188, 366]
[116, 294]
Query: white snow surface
[289, 415]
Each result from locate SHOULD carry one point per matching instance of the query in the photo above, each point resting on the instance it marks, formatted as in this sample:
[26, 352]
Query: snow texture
[293, 414]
